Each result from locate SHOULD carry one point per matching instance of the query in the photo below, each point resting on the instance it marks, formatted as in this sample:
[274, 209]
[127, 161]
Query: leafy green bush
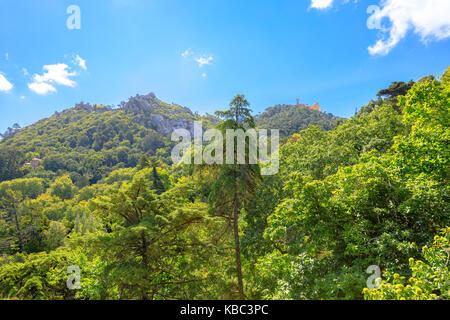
[430, 278]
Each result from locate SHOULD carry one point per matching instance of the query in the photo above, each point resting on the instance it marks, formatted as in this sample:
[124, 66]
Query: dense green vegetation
[88, 142]
[369, 190]
[429, 281]
[290, 119]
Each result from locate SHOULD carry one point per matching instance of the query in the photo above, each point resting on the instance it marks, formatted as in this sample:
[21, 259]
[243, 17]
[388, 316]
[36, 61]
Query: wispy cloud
[54, 74]
[187, 53]
[80, 62]
[430, 19]
[202, 61]
[5, 85]
[321, 4]
[7, 56]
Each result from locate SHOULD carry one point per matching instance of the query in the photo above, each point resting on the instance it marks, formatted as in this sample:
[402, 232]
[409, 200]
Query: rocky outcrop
[164, 118]
[90, 108]
[139, 104]
[166, 125]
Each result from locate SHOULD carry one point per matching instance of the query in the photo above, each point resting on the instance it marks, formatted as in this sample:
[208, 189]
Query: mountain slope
[89, 141]
[93, 140]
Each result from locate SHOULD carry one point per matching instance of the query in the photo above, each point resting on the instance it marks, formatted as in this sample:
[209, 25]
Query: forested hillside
[89, 141]
[353, 193]
[290, 119]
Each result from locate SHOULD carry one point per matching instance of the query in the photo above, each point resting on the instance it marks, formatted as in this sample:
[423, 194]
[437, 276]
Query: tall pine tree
[236, 183]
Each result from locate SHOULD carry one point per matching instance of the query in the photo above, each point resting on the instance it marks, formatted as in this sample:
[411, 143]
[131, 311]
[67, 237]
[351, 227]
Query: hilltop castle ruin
[314, 107]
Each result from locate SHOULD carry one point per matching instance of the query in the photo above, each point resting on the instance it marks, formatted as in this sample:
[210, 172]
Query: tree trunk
[237, 248]
[144, 249]
[19, 231]
[144, 295]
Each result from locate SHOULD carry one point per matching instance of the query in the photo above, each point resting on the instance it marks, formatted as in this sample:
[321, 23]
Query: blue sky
[201, 53]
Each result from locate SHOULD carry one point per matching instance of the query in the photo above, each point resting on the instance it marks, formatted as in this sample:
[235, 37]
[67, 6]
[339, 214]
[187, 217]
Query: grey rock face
[140, 103]
[165, 125]
[147, 112]
[88, 107]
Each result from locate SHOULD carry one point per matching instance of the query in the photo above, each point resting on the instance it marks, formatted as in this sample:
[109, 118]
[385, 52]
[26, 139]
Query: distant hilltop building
[314, 107]
[35, 162]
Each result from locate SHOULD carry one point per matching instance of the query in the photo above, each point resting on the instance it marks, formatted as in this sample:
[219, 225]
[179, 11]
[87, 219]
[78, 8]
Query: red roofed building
[35, 163]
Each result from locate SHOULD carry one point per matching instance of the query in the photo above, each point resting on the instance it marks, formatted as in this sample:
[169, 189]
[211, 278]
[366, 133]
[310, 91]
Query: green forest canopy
[369, 190]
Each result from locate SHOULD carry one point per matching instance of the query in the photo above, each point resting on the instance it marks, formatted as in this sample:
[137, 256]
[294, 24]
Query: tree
[55, 235]
[10, 202]
[396, 89]
[157, 182]
[372, 191]
[10, 163]
[430, 278]
[63, 188]
[426, 110]
[43, 276]
[235, 183]
[158, 245]
[16, 197]
[10, 131]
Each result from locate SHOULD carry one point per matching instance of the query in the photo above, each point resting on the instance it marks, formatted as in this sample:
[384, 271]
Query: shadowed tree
[10, 202]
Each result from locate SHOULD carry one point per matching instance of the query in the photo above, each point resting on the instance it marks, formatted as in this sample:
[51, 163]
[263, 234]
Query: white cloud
[7, 56]
[204, 61]
[41, 87]
[5, 85]
[54, 74]
[80, 62]
[187, 53]
[22, 97]
[25, 71]
[430, 19]
[57, 73]
[321, 4]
